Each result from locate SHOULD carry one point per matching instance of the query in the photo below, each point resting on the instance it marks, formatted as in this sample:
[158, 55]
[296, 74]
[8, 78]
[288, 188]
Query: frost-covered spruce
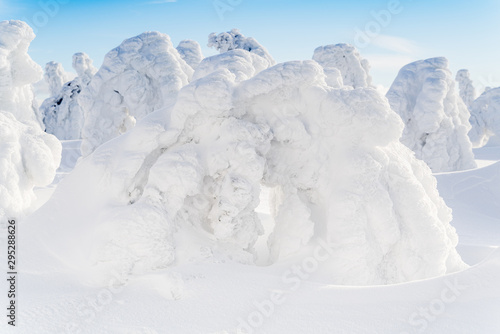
[234, 39]
[345, 58]
[55, 77]
[436, 119]
[485, 117]
[466, 87]
[183, 185]
[190, 51]
[62, 113]
[28, 156]
[143, 74]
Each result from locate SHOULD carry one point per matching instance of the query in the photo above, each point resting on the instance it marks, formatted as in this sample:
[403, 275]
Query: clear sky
[389, 33]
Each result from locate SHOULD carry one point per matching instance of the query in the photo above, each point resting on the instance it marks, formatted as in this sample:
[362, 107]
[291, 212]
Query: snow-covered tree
[55, 76]
[485, 117]
[346, 59]
[466, 87]
[143, 74]
[190, 51]
[436, 119]
[82, 64]
[28, 156]
[234, 39]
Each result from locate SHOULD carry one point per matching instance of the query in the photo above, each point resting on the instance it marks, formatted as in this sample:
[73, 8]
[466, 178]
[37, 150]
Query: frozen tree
[233, 40]
[143, 74]
[82, 64]
[28, 156]
[55, 77]
[436, 119]
[485, 117]
[183, 184]
[346, 59]
[190, 51]
[466, 87]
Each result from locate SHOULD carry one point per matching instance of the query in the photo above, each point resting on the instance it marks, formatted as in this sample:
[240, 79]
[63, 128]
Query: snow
[346, 59]
[55, 77]
[466, 87]
[485, 118]
[436, 119]
[143, 74]
[190, 51]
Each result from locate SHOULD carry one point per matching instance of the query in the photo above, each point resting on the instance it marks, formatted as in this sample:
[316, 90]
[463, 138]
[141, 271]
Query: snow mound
[466, 87]
[143, 74]
[233, 40]
[190, 51]
[18, 72]
[485, 117]
[182, 186]
[345, 58]
[436, 119]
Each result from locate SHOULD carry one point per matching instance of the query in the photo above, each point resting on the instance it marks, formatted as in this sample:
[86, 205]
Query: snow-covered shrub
[62, 113]
[466, 87]
[143, 74]
[485, 117]
[345, 58]
[184, 183]
[190, 51]
[233, 40]
[436, 119]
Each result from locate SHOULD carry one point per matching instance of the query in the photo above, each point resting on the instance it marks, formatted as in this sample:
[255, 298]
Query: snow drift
[143, 74]
[485, 117]
[466, 87]
[62, 113]
[436, 119]
[345, 58]
[182, 186]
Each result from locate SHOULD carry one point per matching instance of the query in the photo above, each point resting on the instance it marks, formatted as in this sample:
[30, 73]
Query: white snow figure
[62, 113]
[143, 74]
[18, 72]
[436, 119]
[28, 156]
[485, 117]
[55, 76]
[183, 184]
[233, 40]
[345, 58]
[466, 87]
[190, 51]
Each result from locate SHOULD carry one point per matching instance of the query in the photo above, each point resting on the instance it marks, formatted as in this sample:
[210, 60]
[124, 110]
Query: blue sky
[466, 32]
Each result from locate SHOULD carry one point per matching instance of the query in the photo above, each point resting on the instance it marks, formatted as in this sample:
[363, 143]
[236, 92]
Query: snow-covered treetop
[232, 40]
[55, 77]
[190, 51]
[485, 117]
[436, 119]
[18, 71]
[83, 67]
[345, 58]
[466, 87]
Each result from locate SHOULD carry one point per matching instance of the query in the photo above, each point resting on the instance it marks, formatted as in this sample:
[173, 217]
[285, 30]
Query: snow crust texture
[183, 184]
[143, 74]
[345, 58]
[485, 117]
[436, 119]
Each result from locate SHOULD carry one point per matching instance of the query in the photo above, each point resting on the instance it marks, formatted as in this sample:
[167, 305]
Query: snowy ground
[285, 298]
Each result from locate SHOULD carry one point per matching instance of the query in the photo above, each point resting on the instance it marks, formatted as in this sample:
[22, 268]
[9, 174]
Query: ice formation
[466, 87]
[345, 58]
[62, 112]
[190, 51]
[436, 119]
[233, 40]
[184, 183]
[28, 156]
[143, 74]
[485, 117]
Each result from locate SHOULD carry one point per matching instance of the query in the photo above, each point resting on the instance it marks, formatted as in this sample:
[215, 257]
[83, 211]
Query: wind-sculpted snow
[62, 112]
[466, 87]
[436, 119]
[182, 186]
[190, 51]
[143, 74]
[345, 58]
[233, 40]
[485, 117]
